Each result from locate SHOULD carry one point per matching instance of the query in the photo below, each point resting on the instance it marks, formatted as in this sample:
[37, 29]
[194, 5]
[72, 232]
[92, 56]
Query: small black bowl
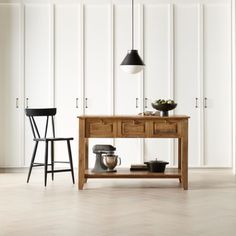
[164, 108]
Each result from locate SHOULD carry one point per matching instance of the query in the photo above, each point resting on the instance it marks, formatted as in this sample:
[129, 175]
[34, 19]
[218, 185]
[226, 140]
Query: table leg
[184, 152]
[179, 157]
[86, 157]
[82, 153]
[179, 153]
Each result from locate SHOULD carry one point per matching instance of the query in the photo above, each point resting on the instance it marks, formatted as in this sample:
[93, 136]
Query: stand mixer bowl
[111, 161]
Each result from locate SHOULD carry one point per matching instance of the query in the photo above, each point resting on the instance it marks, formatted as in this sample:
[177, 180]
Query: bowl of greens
[164, 106]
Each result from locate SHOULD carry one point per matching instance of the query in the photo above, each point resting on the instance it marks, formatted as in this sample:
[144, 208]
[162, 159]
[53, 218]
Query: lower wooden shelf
[126, 173]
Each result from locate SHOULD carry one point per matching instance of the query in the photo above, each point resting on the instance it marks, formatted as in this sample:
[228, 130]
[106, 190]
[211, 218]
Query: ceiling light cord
[132, 63]
[132, 24]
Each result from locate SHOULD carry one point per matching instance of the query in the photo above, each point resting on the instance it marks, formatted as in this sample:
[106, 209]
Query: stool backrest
[42, 112]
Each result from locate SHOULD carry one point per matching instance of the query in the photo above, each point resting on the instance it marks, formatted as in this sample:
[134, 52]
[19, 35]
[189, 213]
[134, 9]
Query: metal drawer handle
[145, 106]
[86, 102]
[77, 103]
[136, 102]
[136, 122]
[205, 102]
[196, 104]
[27, 102]
[17, 102]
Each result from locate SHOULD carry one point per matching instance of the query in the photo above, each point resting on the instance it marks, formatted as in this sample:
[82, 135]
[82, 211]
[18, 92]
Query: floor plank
[118, 207]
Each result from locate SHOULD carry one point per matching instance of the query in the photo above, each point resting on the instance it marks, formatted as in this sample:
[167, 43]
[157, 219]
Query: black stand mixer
[99, 150]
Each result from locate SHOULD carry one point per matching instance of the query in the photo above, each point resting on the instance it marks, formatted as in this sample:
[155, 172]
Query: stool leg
[71, 161]
[52, 158]
[32, 160]
[46, 164]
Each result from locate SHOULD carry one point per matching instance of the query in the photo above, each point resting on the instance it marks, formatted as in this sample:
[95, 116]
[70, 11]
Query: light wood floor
[118, 207]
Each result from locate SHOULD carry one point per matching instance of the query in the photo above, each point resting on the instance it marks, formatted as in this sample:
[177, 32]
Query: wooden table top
[132, 117]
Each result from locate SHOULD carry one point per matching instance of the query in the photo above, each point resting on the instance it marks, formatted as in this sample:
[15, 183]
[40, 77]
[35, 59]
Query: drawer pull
[27, 102]
[86, 102]
[136, 100]
[104, 122]
[196, 102]
[205, 102]
[146, 106]
[17, 102]
[77, 103]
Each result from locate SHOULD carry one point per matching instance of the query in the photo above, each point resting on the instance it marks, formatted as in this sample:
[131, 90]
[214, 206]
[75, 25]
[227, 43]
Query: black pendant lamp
[132, 62]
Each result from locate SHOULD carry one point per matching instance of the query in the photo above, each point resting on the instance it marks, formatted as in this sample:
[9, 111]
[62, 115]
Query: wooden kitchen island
[134, 127]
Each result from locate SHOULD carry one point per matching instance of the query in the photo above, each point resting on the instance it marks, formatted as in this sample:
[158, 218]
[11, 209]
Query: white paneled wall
[217, 84]
[188, 65]
[38, 67]
[97, 58]
[158, 80]
[38, 33]
[66, 53]
[10, 84]
[97, 63]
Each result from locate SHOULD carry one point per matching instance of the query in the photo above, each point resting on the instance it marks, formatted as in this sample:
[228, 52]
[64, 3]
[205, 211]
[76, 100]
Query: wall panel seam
[233, 30]
[82, 57]
[22, 87]
[171, 70]
[201, 82]
[52, 67]
[142, 75]
[112, 59]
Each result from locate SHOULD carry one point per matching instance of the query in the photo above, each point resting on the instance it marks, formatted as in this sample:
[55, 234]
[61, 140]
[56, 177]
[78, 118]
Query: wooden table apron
[133, 127]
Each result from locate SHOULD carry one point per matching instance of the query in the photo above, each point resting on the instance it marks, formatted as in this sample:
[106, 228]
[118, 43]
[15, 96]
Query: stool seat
[53, 139]
[46, 113]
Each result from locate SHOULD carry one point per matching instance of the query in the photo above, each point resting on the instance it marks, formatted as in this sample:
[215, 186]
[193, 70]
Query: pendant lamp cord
[132, 24]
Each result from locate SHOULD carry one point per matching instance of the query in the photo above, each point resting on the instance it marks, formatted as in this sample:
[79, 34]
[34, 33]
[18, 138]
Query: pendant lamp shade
[132, 62]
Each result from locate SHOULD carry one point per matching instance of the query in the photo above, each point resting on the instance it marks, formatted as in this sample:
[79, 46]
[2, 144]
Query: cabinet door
[97, 59]
[217, 85]
[97, 64]
[38, 67]
[187, 74]
[67, 76]
[127, 86]
[157, 77]
[10, 75]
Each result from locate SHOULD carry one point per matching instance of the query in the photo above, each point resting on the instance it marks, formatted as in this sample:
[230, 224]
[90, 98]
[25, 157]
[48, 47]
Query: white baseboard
[13, 169]
[23, 169]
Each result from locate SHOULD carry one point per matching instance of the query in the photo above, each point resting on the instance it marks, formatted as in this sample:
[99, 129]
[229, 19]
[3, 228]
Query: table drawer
[100, 128]
[132, 128]
[162, 128]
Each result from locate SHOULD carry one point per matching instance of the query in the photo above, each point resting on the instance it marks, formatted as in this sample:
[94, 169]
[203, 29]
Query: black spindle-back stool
[47, 112]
